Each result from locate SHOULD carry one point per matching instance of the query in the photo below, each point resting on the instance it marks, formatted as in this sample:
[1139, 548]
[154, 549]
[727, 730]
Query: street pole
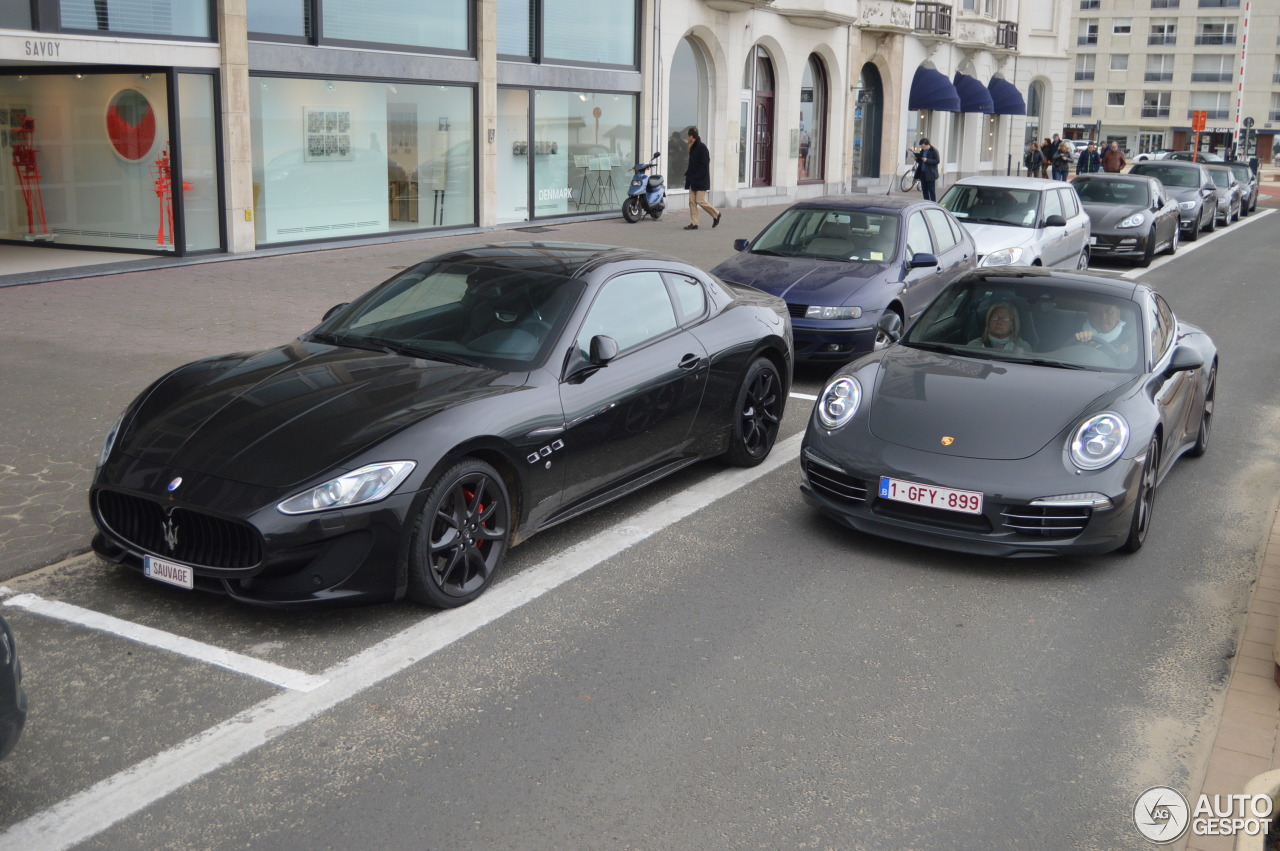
[1244, 55]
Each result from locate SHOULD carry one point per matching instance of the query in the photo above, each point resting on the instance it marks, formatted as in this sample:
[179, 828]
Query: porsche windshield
[1052, 326]
[831, 235]
[993, 205]
[505, 318]
[1122, 193]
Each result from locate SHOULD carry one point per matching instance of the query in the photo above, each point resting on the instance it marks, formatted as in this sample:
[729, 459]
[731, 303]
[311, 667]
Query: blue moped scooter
[647, 193]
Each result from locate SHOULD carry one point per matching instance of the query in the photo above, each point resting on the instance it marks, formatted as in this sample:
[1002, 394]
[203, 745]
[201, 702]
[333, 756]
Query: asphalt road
[707, 664]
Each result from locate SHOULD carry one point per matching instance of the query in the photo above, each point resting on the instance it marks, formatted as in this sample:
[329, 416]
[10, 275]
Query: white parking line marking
[1187, 247]
[239, 663]
[92, 811]
[804, 396]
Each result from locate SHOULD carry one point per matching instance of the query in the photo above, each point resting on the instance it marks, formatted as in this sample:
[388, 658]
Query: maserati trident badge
[170, 533]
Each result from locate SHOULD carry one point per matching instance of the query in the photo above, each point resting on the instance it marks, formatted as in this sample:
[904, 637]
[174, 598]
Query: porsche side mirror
[334, 310]
[890, 325]
[603, 349]
[741, 244]
[1184, 359]
[1055, 222]
[923, 258]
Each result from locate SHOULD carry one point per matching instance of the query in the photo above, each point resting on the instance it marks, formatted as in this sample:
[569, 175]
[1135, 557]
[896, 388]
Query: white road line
[1187, 247]
[114, 799]
[805, 396]
[239, 663]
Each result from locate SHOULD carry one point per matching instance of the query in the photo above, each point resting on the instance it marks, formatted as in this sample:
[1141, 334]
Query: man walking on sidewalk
[697, 179]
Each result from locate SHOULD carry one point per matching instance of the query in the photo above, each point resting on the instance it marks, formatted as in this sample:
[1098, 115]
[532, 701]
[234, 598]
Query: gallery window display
[88, 160]
[578, 147]
[337, 157]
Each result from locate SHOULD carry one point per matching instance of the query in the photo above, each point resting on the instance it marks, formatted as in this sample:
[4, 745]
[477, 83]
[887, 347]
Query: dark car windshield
[1170, 175]
[1222, 178]
[1123, 193]
[997, 205]
[832, 235]
[1242, 172]
[1033, 322]
[503, 318]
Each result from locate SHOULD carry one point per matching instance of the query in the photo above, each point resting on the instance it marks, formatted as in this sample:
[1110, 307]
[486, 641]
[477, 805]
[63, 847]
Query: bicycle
[908, 181]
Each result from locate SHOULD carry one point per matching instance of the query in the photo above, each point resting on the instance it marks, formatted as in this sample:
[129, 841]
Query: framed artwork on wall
[326, 134]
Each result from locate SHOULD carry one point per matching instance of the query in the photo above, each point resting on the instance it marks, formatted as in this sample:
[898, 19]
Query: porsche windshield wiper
[1057, 364]
[339, 340]
[399, 347]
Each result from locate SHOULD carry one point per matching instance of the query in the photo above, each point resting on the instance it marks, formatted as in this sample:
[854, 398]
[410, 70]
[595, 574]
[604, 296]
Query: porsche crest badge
[947, 441]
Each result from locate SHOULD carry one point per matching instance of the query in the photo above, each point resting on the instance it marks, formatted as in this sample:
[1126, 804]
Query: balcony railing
[1211, 76]
[1275, 78]
[1155, 112]
[1219, 4]
[1164, 4]
[933, 18]
[1007, 35]
[1081, 110]
[1158, 77]
[1084, 76]
[1215, 38]
[1087, 39]
[1274, 115]
[1215, 114]
[1162, 38]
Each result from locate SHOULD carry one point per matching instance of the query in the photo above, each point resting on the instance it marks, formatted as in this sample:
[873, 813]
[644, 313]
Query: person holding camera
[927, 162]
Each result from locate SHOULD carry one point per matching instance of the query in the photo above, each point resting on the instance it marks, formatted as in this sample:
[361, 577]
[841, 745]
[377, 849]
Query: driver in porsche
[1104, 325]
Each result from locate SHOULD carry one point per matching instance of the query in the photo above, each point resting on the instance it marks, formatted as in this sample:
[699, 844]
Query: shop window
[578, 32]
[144, 17]
[440, 26]
[582, 150]
[341, 158]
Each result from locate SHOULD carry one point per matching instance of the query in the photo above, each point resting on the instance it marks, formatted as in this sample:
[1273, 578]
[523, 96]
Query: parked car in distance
[1049, 438]
[1196, 156]
[1079, 146]
[1022, 221]
[843, 261]
[1158, 154]
[1228, 191]
[1193, 189]
[1131, 217]
[401, 446]
[13, 701]
[1249, 186]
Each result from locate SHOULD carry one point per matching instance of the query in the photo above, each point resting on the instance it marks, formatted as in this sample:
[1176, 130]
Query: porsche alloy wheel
[758, 415]
[1150, 254]
[1173, 242]
[461, 536]
[1206, 415]
[1145, 504]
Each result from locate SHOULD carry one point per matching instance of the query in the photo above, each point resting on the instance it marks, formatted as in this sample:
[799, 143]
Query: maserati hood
[803, 280]
[991, 410]
[278, 417]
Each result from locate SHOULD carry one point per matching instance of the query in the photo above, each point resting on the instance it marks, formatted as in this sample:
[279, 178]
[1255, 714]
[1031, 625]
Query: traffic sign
[1248, 122]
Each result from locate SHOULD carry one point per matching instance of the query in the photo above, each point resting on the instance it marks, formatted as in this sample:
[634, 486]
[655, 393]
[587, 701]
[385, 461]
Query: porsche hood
[991, 410]
[278, 417]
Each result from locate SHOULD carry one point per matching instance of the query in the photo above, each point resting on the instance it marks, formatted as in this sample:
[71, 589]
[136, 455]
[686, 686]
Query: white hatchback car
[1022, 221]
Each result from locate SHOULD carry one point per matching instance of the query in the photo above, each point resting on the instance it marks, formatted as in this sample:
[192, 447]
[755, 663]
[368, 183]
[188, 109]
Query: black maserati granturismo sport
[405, 443]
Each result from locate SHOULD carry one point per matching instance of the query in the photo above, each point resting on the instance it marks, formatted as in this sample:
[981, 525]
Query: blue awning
[930, 89]
[1006, 97]
[974, 96]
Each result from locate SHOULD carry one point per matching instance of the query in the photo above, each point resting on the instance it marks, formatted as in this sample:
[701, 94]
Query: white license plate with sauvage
[931, 496]
[169, 572]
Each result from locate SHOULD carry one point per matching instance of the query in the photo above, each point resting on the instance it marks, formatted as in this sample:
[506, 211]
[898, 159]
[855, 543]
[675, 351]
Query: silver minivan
[1022, 221]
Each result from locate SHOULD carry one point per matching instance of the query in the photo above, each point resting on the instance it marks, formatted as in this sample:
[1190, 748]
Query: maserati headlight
[110, 442]
[1003, 257]
[817, 311]
[368, 484]
[1133, 221]
[1186, 205]
[839, 402]
[1098, 441]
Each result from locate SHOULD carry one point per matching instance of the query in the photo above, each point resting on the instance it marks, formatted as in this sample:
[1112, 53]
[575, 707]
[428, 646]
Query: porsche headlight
[109, 443]
[1099, 441]
[368, 484]
[1133, 221]
[839, 401]
[1003, 257]
[817, 311]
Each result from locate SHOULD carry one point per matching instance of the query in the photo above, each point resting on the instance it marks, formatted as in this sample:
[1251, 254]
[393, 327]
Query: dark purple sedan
[841, 262]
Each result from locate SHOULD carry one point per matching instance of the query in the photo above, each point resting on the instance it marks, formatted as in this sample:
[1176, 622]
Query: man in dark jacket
[1033, 159]
[697, 179]
[927, 162]
[1090, 161]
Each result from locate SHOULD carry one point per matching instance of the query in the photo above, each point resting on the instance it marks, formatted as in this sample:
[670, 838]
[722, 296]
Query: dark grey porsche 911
[1027, 412]
[400, 447]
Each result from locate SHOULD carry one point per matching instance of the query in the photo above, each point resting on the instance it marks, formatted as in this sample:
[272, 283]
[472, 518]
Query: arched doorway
[755, 158]
[690, 83]
[812, 136]
[868, 118]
